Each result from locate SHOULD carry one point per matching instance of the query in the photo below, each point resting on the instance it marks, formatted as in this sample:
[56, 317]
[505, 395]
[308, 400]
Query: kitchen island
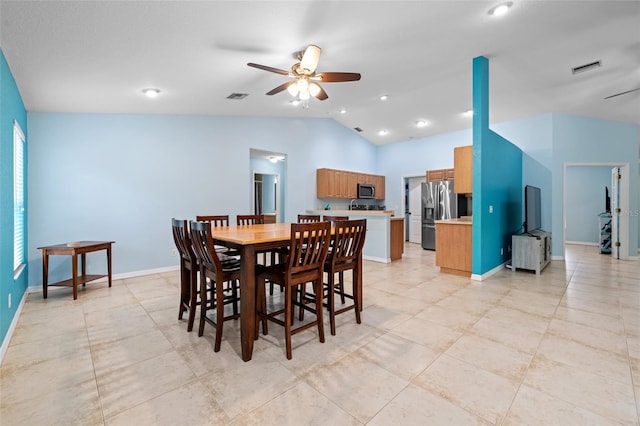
[381, 235]
[453, 246]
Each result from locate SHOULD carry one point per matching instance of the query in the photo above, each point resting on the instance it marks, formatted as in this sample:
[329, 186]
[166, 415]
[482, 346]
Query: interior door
[415, 207]
[615, 212]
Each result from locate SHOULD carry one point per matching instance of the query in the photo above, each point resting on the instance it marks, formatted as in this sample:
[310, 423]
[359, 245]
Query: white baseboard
[582, 243]
[487, 274]
[12, 327]
[122, 276]
[376, 259]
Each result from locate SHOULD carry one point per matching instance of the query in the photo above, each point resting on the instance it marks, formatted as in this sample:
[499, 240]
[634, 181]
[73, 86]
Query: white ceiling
[96, 56]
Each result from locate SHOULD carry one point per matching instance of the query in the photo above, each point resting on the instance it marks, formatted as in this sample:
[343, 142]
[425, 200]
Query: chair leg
[203, 303]
[193, 298]
[341, 286]
[219, 295]
[261, 308]
[234, 294]
[184, 291]
[317, 284]
[356, 296]
[331, 302]
[288, 317]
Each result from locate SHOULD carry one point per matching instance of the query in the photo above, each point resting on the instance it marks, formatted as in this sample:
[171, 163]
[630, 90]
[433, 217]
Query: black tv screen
[532, 209]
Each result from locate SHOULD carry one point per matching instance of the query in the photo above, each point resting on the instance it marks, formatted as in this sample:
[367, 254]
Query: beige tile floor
[562, 348]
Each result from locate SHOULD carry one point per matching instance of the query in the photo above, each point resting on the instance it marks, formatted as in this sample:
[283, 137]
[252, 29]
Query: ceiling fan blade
[280, 88]
[310, 58]
[336, 77]
[622, 93]
[316, 90]
[270, 69]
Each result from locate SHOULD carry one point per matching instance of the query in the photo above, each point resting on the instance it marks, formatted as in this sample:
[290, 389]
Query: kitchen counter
[453, 246]
[378, 242]
[352, 212]
[458, 221]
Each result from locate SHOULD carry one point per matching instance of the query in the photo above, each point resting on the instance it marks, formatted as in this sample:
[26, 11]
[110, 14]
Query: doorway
[266, 198]
[580, 215]
[268, 176]
[413, 208]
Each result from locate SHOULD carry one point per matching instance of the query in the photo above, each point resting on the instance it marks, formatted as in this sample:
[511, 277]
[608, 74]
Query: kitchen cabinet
[331, 183]
[453, 246]
[463, 166]
[435, 175]
[396, 238]
[440, 174]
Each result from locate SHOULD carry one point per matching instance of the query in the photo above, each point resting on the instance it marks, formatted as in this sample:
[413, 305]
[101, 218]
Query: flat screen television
[532, 209]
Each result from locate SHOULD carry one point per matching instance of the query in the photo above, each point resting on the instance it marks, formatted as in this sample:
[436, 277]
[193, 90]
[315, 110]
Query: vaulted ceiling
[97, 56]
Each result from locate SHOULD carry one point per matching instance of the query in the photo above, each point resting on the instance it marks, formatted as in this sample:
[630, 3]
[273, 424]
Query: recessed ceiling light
[343, 111]
[384, 97]
[151, 92]
[468, 113]
[422, 123]
[295, 102]
[500, 9]
[383, 132]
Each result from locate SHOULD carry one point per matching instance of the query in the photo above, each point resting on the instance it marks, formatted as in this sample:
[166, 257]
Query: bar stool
[215, 270]
[307, 254]
[189, 269]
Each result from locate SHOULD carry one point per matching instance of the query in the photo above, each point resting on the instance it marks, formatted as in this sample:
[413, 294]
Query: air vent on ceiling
[586, 67]
[357, 129]
[237, 96]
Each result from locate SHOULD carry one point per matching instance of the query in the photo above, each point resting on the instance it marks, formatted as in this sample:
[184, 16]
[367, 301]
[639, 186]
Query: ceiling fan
[623, 93]
[306, 79]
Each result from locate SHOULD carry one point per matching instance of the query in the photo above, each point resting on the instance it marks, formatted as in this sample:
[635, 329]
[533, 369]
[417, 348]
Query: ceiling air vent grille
[357, 129]
[237, 96]
[586, 67]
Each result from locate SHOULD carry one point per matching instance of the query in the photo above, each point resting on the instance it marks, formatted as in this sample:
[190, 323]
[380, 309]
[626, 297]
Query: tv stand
[531, 251]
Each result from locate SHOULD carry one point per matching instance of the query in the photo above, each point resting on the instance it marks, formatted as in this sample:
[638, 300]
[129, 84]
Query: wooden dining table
[249, 240]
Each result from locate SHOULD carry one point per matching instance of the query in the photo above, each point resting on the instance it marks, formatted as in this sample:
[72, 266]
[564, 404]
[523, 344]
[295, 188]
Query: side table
[74, 249]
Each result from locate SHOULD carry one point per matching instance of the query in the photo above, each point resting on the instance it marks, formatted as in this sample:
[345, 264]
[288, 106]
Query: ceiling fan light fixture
[314, 89]
[500, 9]
[151, 92]
[310, 58]
[293, 89]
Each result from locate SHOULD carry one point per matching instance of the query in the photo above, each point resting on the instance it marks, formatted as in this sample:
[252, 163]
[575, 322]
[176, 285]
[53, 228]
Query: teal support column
[480, 128]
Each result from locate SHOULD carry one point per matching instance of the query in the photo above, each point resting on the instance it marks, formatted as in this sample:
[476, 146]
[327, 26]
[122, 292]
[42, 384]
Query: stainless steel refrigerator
[438, 202]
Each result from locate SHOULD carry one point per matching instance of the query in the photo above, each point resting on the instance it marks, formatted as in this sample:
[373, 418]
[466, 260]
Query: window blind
[18, 197]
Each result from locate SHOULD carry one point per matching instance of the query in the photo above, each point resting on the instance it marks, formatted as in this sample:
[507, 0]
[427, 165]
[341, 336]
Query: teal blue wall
[11, 108]
[497, 182]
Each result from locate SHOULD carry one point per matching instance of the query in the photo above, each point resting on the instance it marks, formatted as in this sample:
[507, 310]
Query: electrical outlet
[174, 252]
[490, 209]
[9, 301]
[501, 251]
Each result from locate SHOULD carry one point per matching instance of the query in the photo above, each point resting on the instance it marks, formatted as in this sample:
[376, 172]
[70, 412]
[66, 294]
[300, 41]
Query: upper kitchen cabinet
[331, 183]
[463, 166]
[440, 174]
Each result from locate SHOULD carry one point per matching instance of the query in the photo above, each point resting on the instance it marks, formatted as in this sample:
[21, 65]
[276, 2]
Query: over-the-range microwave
[366, 190]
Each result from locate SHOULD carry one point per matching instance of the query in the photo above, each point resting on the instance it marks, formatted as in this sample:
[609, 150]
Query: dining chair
[216, 221]
[189, 269]
[250, 219]
[344, 255]
[333, 219]
[215, 270]
[307, 218]
[307, 254]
